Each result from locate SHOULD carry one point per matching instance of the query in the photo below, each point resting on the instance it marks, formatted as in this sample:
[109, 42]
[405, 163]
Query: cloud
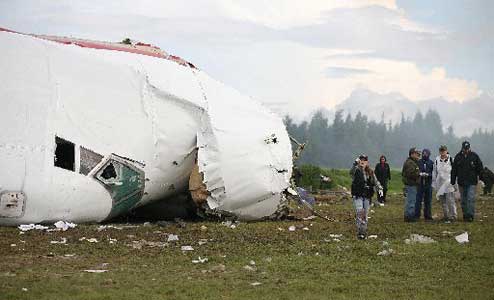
[342, 72]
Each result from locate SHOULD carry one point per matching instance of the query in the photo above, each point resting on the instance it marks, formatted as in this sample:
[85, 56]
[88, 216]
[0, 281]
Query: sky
[296, 56]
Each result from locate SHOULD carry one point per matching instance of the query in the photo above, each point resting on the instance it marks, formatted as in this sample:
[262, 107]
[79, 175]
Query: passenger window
[64, 154]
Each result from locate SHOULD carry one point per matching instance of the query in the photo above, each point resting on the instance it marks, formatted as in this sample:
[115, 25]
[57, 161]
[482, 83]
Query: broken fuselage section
[93, 130]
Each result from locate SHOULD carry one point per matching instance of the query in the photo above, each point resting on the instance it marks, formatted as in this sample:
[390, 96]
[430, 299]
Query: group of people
[420, 176]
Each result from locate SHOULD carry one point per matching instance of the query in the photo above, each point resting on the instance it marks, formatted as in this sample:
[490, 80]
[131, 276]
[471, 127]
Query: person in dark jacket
[363, 185]
[424, 191]
[466, 170]
[383, 174]
[411, 179]
[488, 178]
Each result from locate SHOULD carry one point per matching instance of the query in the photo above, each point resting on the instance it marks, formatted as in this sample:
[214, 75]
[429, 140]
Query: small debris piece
[386, 252]
[372, 236]
[69, 255]
[200, 260]
[280, 229]
[172, 238]
[230, 224]
[202, 242]
[462, 238]
[291, 228]
[96, 271]
[92, 240]
[420, 239]
[24, 289]
[112, 241]
[187, 248]
[64, 226]
[309, 218]
[335, 235]
[255, 283]
[204, 228]
[252, 263]
[250, 268]
[104, 227]
[305, 228]
[27, 227]
[62, 241]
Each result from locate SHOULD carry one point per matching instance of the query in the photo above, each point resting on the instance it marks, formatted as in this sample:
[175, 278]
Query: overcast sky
[296, 55]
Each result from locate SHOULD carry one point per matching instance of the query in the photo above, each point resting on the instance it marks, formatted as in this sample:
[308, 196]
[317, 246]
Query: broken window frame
[88, 160]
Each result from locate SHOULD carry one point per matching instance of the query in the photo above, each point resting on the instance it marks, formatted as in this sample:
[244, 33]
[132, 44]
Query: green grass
[289, 265]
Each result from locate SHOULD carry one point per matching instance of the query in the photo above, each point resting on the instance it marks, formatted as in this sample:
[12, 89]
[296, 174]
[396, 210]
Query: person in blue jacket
[424, 191]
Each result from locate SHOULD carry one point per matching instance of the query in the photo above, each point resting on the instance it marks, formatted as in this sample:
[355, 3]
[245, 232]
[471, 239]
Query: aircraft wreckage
[93, 130]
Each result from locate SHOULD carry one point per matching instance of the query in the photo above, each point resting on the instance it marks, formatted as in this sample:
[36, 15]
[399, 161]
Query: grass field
[261, 260]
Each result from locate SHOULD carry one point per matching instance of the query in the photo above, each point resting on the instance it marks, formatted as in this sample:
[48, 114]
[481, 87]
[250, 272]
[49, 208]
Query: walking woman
[363, 185]
[383, 175]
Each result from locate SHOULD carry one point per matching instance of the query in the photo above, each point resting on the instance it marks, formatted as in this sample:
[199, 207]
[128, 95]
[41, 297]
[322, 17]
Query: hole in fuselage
[64, 154]
[109, 172]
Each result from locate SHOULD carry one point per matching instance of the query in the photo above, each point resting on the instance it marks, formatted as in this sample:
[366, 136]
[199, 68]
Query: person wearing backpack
[441, 182]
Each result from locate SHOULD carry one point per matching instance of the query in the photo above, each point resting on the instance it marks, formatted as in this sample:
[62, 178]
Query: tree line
[337, 144]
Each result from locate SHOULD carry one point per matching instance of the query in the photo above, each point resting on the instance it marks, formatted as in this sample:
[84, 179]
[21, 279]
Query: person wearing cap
[466, 170]
[441, 181]
[411, 179]
[424, 191]
[383, 174]
[363, 185]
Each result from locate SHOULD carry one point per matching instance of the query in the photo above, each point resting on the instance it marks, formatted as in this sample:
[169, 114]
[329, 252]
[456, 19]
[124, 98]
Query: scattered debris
[62, 241]
[291, 228]
[252, 263]
[139, 244]
[187, 248]
[372, 236]
[172, 238]
[202, 242]
[69, 255]
[64, 226]
[305, 228]
[24, 289]
[309, 218]
[335, 235]
[447, 233]
[386, 252]
[420, 239]
[204, 228]
[462, 238]
[200, 260]
[250, 268]
[112, 241]
[255, 283]
[230, 224]
[96, 271]
[27, 227]
[91, 240]
[104, 227]
[13, 245]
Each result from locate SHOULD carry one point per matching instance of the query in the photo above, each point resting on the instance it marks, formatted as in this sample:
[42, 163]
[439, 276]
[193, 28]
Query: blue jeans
[467, 193]
[361, 206]
[424, 192]
[410, 200]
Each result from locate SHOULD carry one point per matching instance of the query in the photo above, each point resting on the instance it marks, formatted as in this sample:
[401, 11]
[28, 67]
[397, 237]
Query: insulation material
[156, 112]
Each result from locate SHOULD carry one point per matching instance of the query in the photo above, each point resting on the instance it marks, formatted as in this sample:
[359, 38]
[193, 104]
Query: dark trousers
[424, 193]
[383, 198]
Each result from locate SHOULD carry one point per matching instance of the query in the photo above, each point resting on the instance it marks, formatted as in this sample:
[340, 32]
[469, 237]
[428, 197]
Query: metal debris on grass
[186, 248]
[172, 238]
[96, 271]
[419, 239]
[27, 227]
[386, 252]
[462, 238]
[255, 283]
[64, 226]
[62, 241]
[200, 260]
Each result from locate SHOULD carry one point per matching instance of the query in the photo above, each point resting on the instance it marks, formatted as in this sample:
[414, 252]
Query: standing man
[411, 178]
[383, 174]
[466, 168]
[424, 192]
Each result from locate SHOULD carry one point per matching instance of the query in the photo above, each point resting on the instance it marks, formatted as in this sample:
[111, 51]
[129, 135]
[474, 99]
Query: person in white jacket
[441, 182]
